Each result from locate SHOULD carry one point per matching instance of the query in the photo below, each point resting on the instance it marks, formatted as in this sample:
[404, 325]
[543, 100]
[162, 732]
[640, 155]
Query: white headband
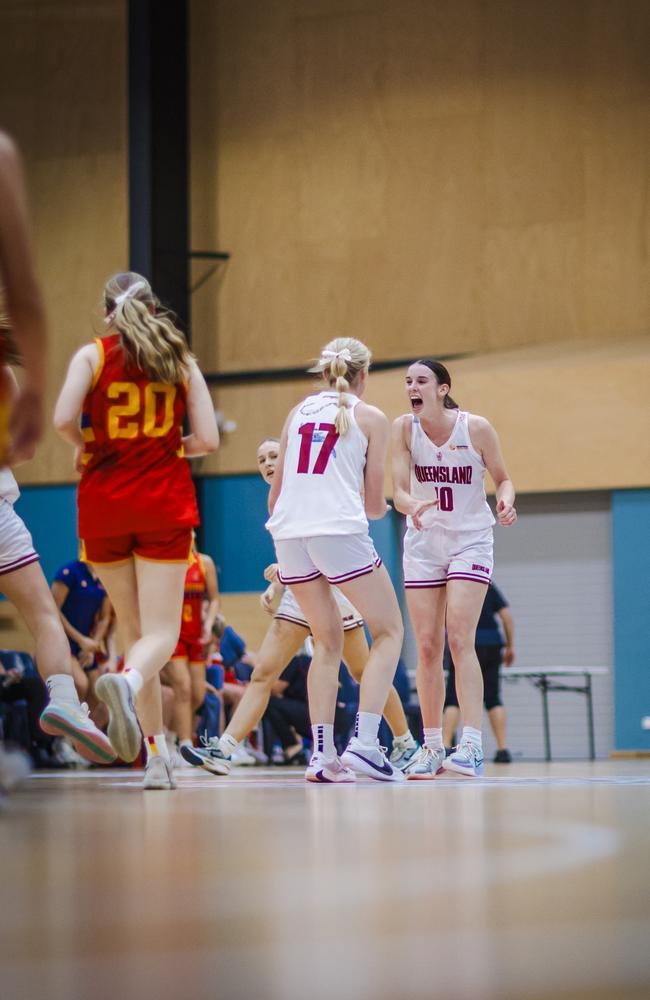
[131, 290]
[344, 355]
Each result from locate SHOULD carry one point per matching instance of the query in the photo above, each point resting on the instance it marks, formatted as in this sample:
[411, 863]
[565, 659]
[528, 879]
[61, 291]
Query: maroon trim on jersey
[19, 563]
[288, 580]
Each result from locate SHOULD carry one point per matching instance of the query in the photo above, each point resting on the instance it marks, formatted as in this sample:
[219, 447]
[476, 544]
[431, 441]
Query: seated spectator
[287, 713]
[20, 683]
[86, 615]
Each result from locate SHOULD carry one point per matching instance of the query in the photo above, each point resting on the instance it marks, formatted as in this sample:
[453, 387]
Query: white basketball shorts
[433, 556]
[16, 546]
[290, 611]
[336, 557]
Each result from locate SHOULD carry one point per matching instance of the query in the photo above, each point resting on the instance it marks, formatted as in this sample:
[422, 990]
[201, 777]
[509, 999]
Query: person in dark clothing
[18, 684]
[287, 711]
[494, 625]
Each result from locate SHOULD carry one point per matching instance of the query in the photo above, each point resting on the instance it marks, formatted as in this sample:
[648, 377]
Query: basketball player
[122, 407]
[440, 456]
[329, 480]
[185, 672]
[21, 424]
[284, 638]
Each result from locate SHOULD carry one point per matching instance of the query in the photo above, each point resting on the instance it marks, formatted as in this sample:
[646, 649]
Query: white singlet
[322, 478]
[454, 474]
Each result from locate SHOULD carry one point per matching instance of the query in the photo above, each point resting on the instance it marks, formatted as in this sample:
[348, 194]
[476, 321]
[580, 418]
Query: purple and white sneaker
[466, 759]
[328, 771]
[370, 760]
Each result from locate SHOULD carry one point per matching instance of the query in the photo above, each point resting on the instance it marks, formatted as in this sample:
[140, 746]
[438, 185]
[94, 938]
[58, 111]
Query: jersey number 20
[152, 418]
[306, 432]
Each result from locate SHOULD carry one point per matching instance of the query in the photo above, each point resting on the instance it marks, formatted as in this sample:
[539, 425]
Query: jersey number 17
[306, 432]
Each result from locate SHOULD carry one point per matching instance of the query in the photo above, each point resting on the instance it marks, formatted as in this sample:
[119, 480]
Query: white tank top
[322, 478]
[8, 486]
[454, 474]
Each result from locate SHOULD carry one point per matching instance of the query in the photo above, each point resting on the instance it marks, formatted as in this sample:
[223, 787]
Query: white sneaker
[370, 760]
[466, 759]
[123, 727]
[425, 765]
[401, 756]
[241, 756]
[328, 771]
[177, 757]
[158, 773]
[62, 718]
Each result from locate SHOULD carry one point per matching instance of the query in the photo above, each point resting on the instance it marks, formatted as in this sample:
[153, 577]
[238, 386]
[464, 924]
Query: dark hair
[443, 377]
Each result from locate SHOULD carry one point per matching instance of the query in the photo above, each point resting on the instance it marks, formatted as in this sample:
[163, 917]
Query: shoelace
[470, 749]
[210, 742]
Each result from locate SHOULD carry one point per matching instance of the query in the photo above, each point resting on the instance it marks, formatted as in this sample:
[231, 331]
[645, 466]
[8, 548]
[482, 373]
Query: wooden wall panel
[453, 177]
[568, 418]
[63, 97]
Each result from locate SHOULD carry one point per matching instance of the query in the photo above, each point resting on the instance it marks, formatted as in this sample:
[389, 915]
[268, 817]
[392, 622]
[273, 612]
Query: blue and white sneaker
[209, 756]
[401, 756]
[328, 771]
[370, 760]
[466, 759]
[425, 765]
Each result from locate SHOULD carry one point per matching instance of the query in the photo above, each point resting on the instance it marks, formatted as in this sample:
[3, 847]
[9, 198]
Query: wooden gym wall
[63, 98]
[433, 176]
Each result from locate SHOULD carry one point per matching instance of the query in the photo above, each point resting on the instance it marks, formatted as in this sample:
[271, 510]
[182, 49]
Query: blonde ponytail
[150, 340]
[340, 362]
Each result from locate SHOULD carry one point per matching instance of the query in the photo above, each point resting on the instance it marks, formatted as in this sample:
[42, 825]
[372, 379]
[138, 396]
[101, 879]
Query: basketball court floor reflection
[532, 883]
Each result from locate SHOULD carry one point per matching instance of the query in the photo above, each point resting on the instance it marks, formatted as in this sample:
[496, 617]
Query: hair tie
[131, 290]
[343, 355]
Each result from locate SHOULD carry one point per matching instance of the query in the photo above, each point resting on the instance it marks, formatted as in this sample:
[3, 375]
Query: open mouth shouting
[416, 403]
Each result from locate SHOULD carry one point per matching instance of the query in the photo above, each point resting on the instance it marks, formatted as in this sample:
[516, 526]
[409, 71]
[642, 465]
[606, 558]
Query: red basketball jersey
[135, 478]
[191, 625]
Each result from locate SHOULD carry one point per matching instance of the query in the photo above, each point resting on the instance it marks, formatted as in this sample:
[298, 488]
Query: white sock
[404, 741]
[135, 680]
[323, 737]
[228, 744]
[472, 736]
[186, 743]
[61, 688]
[156, 746]
[433, 739]
[367, 727]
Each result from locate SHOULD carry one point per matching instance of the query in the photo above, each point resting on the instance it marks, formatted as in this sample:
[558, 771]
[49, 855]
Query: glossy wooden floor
[532, 883]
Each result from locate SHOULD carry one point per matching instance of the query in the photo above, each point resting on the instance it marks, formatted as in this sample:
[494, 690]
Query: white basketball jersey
[322, 479]
[8, 486]
[454, 474]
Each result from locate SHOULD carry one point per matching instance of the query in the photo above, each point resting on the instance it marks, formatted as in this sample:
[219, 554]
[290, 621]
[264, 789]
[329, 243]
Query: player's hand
[26, 426]
[267, 599]
[77, 463]
[508, 656]
[416, 516]
[271, 573]
[506, 513]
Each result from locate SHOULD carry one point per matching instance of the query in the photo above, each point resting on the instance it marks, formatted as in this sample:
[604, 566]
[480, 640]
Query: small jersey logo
[481, 569]
[439, 456]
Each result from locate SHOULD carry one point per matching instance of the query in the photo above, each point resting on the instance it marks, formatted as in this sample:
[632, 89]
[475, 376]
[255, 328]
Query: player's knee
[430, 650]
[460, 642]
